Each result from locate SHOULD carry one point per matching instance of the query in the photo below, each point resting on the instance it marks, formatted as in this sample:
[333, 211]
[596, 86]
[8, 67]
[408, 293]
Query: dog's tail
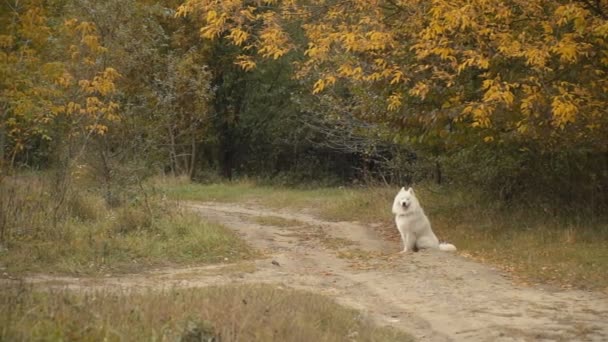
[447, 247]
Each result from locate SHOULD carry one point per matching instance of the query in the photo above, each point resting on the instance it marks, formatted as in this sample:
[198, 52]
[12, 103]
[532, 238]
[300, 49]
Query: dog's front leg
[408, 242]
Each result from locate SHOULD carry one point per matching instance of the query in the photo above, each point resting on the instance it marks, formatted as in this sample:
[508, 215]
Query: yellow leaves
[247, 13]
[508, 45]
[497, 91]
[420, 90]
[547, 28]
[522, 127]
[103, 83]
[57, 110]
[379, 71]
[245, 62]
[572, 13]
[316, 51]
[378, 40]
[480, 113]
[374, 76]
[89, 47]
[345, 69]
[348, 71]
[93, 105]
[65, 80]
[567, 49]
[238, 36]
[110, 74]
[521, 49]
[215, 25]
[564, 108]
[86, 28]
[70, 23]
[601, 30]
[350, 42]
[211, 16]
[395, 101]
[322, 83]
[33, 25]
[445, 53]
[96, 128]
[274, 41]
[184, 9]
[398, 77]
[318, 86]
[476, 60]
[97, 107]
[531, 99]
[6, 41]
[537, 57]
[330, 80]
[92, 42]
[482, 62]
[381, 63]
[42, 85]
[71, 108]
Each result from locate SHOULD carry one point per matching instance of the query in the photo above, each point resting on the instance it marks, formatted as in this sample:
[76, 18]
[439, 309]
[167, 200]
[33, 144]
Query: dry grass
[538, 246]
[248, 191]
[91, 238]
[336, 243]
[277, 221]
[233, 313]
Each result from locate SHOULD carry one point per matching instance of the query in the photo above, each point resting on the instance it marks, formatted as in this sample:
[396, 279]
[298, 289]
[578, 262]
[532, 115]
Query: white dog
[413, 224]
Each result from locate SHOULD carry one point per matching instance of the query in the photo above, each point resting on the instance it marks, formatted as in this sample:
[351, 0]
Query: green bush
[564, 180]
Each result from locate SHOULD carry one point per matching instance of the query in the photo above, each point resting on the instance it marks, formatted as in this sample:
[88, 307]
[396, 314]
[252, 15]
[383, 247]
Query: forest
[115, 113]
[508, 98]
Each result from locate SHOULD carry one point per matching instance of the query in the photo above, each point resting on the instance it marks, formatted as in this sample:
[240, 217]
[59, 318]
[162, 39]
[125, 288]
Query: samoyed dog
[414, 226]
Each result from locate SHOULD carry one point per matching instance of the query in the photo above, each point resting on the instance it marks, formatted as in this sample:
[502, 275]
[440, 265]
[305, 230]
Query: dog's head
[404, 200]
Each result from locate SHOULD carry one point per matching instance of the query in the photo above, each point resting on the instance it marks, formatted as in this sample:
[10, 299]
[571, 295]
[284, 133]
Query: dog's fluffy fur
[414, 226]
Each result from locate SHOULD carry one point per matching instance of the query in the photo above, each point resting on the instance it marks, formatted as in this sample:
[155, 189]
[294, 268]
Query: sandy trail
[435, 296]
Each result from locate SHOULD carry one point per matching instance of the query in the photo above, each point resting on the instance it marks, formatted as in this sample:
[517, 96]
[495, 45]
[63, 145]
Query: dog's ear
[410, 190]
[403, 188]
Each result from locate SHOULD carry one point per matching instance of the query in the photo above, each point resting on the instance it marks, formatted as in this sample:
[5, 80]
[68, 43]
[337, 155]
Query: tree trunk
[3, 164]
[2, 145]
[192, 158]
[438, 173]
[172, 152]
[107, 177]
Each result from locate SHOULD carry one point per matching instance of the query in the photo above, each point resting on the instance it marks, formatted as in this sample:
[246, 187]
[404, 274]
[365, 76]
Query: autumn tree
[25, 85]
[510, 76]
[477, 59]
[185, 97]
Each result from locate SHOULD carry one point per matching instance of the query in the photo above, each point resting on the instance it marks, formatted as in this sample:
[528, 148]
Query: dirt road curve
[436, 296]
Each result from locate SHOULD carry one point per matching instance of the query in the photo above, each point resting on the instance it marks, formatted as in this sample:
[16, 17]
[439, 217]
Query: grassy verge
[277, 221]
[535, 245]
[334, 204]
[234, 313]
[92, 238]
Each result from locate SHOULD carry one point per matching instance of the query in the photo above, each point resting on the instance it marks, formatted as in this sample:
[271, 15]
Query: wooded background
[504, 97]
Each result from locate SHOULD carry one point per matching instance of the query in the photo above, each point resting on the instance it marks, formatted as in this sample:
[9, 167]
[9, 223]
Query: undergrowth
[228, 313]
[85, 236]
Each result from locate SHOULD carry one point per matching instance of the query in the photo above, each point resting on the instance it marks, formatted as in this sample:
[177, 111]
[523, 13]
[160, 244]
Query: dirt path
[433, 295]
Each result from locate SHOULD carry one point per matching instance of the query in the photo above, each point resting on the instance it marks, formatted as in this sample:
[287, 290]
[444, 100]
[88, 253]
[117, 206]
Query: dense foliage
[509, 97]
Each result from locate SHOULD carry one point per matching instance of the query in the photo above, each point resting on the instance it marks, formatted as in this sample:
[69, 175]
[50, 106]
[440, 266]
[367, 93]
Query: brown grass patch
[231, 313]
